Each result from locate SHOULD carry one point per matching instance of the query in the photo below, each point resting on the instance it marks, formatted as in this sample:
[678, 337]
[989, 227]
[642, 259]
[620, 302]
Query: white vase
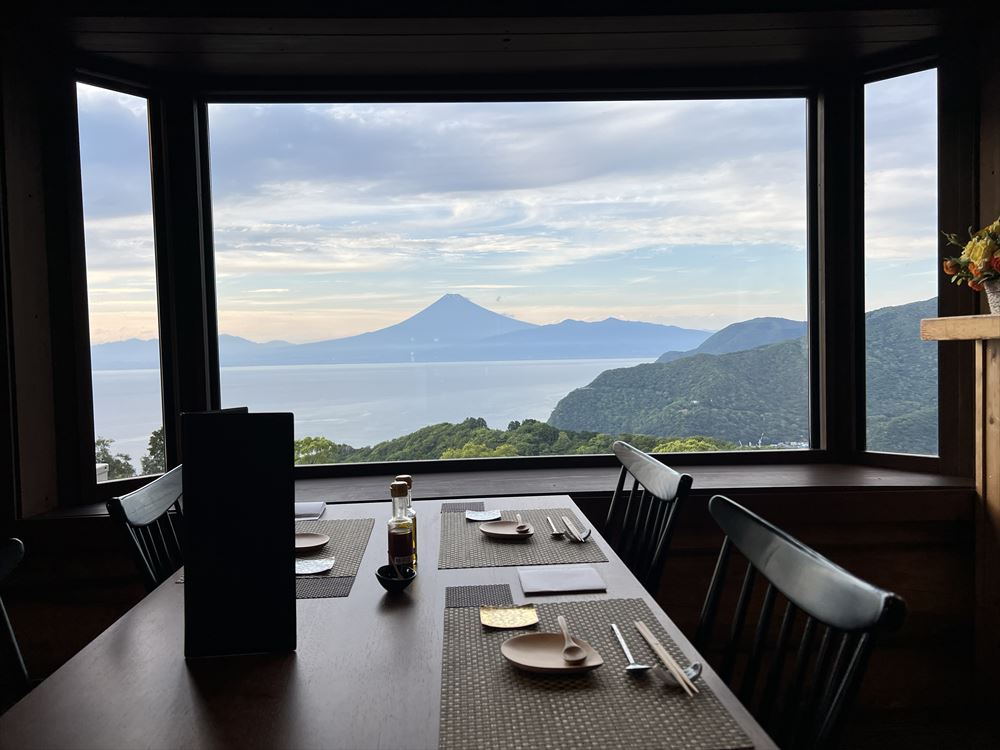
[992, 289]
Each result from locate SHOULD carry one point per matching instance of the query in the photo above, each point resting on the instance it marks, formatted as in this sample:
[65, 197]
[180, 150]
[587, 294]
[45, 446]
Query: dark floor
[924, 730]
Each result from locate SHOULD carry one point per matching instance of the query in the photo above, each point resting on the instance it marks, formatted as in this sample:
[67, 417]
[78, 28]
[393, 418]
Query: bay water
[357, 404]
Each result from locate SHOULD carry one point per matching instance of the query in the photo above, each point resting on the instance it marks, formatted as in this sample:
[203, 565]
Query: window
[444, 280]
[121, 282]
[901, 263]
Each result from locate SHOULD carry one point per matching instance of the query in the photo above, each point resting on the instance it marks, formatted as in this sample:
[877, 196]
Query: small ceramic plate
[306, 540]
[482, 515]
[543, 652]
[505, 530]
[509, 617]
[313, 566]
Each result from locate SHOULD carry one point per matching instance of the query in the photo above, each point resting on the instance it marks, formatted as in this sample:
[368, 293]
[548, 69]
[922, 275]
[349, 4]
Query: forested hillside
[760, 396]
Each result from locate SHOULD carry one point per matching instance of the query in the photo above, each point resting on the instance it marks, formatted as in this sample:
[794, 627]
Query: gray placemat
[322, 587]
[348, 540]
[489, 595]
[463, 545]
[486, 702]
[462, 507]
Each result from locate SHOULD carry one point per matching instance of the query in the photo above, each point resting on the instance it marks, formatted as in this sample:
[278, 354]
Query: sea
[357, 404]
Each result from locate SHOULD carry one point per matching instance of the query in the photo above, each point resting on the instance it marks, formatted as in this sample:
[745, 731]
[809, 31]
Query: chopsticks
[571, 530]
[666, 658]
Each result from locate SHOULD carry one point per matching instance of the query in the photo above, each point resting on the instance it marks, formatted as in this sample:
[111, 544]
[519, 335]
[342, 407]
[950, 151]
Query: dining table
[366, 672]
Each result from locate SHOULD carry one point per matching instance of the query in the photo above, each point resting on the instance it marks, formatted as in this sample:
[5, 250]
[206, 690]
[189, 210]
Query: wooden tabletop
[131, 687]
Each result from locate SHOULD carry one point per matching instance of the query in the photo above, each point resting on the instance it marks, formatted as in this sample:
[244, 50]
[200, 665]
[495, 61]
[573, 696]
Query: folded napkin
[543, 579]
[309, 511]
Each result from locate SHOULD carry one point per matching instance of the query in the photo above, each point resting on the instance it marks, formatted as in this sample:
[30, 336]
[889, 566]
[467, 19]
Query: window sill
[583, 482]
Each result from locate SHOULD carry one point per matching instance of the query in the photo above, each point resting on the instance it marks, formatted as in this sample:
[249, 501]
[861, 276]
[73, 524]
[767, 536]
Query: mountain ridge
[746, 334]
[451, 329]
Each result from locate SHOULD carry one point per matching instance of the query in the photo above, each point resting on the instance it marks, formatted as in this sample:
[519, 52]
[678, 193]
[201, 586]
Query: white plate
[306, 540]
[312, 566]
[482, 515]
[505, 530]
[543, 652]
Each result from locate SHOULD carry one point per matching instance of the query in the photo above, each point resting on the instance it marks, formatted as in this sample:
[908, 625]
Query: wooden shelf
[960, 328]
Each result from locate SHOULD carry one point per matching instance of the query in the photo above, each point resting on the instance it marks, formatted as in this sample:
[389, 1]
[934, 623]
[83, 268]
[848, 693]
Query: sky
[335, 219]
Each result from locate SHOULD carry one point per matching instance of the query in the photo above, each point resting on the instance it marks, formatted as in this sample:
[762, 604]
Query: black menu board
[239, 541]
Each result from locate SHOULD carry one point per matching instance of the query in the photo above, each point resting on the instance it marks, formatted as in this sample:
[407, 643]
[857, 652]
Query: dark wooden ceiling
[422, 46]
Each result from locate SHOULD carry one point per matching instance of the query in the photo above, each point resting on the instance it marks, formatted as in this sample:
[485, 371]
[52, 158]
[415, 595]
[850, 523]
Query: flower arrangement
[979, 261]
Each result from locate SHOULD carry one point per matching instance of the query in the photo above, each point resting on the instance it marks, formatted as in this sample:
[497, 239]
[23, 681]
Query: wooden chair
[802, 704]
[641, 518]
[15, 675]
[153, 517]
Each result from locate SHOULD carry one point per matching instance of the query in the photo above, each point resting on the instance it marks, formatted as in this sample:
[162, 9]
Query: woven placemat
[489, 595]
[486, 702]
[462, 507]
[348, 540]
[463, 545]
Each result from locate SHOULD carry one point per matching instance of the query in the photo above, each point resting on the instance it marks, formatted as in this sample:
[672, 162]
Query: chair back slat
[757, 649]
[767, 702]
[153, 518]
[640, 520]
[793, 691]
[739, 620]
[711, 605]
[802, 731]
[804, 705]
[611, 522]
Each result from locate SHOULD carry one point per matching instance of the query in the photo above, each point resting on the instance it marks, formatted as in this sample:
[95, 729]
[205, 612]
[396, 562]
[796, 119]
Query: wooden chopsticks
[666, 658]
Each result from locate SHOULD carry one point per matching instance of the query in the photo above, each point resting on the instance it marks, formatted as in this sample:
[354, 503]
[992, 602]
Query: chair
[641, 519]
[15, 676]
[153, 517]
[800, 705]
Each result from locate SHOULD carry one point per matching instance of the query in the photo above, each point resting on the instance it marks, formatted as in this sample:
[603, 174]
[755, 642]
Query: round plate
[306, 540]
[504, 530]
[543, 652]
[312, 566]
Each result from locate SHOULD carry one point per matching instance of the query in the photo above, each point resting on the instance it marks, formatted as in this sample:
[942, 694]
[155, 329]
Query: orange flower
[973, 268]
[995, 263]
[975, 286]
[951, 267]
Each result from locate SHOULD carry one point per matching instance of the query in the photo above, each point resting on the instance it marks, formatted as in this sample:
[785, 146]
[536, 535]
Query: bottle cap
[405, 478]
[398, 489]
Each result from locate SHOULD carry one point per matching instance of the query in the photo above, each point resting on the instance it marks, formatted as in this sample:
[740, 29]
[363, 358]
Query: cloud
[572, 209]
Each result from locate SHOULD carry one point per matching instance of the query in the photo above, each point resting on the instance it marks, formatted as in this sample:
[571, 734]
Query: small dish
[482, 515]
[308, 540]
[505, 530]
[543, 652]
[313, 566]
[386, 575]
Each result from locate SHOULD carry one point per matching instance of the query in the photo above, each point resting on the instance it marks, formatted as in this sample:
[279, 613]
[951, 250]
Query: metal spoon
[555, 531]
[522, 527]
[571, 652]
[633, 667]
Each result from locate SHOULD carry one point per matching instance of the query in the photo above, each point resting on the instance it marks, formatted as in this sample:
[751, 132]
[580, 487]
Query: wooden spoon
[571, 652]
[522, 527]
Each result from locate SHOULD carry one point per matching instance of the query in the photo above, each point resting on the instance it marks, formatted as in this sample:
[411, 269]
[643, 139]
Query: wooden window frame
[183, 235]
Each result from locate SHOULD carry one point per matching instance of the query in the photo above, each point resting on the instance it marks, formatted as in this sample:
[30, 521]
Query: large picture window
[443, 280]
[901, 263]
[121, 282]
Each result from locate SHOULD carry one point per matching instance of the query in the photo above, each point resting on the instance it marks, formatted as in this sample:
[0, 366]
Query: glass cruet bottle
[410, 511]
[400, 528]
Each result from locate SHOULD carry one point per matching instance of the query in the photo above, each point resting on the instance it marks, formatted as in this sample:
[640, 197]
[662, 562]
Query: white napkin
[309, 511]
[541, 579]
